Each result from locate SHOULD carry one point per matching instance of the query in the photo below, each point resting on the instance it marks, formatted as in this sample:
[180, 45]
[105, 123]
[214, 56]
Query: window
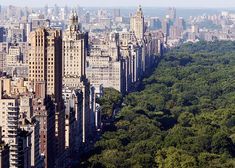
[10, 104]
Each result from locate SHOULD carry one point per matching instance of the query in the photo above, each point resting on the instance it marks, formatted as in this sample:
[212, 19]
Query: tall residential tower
[75, 50]
[137, 24]
[75, 45]
[45, 75]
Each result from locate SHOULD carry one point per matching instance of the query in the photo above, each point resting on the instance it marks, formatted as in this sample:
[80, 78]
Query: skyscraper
[166, 27]
[75, 44]
[45, 75]
[45, 60]
[137, 24]
[171, 13]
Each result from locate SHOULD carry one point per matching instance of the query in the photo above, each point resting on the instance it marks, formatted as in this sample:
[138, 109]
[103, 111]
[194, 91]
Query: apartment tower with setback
[137, 24]
[45, 76]
[75, 45]
[75, 49]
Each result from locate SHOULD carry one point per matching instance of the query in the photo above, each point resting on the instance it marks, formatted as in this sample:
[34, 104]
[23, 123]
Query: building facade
[45, 75]
[137, 24]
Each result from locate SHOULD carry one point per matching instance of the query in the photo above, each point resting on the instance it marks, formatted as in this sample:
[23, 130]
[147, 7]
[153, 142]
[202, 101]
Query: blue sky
[127, 3]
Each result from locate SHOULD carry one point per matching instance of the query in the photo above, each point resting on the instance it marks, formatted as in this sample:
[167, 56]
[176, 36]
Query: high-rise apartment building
[9, 111]
[131, 51]
[103, 71]
[45, 60]
[14, 59]
[45, 75]
[105, 65]
[75, 49]
[28, 122]
[45, 113]
[137, 24]
[75, 45]
[20, 130]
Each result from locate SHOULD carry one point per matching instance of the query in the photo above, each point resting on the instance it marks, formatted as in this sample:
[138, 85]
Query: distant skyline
[124, 3]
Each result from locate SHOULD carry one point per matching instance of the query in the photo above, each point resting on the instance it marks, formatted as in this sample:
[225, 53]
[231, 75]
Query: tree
[174, 158]
[222, 144]
[183, 116]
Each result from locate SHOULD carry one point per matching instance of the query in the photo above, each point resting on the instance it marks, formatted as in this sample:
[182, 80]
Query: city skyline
[123, 3]
[73, 78]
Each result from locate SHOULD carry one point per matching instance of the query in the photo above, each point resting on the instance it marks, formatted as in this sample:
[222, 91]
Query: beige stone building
[75, 45]
[102, 70]
[132, 53]
[28, 122]
[137, 24]
[13, 57]
[9, 111]
[19, 128]
[18, 140]
[15, 86]
[78, 115]
[105, 65]
[19, 86]
[45, 60]
[45, 75]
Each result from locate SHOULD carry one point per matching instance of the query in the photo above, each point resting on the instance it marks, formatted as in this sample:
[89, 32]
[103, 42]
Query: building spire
[140, 8]
[140, 11]
[73, 20]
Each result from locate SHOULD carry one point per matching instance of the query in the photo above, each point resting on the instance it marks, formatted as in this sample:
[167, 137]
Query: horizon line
[86, 6]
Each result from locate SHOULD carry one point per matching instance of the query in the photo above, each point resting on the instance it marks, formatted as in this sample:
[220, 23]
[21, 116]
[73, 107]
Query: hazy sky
[122, 3]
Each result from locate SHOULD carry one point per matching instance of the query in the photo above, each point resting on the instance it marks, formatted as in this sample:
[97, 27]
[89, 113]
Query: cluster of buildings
[53, 68]
[50, 78]
[219, 26]
[173, 27]
[206, 27]
[120, 59]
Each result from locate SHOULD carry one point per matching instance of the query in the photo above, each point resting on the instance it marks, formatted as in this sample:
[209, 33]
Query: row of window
[9, 104]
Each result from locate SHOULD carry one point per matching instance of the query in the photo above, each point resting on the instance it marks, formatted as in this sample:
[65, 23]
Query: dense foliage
[184, 117]
[110, 101]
